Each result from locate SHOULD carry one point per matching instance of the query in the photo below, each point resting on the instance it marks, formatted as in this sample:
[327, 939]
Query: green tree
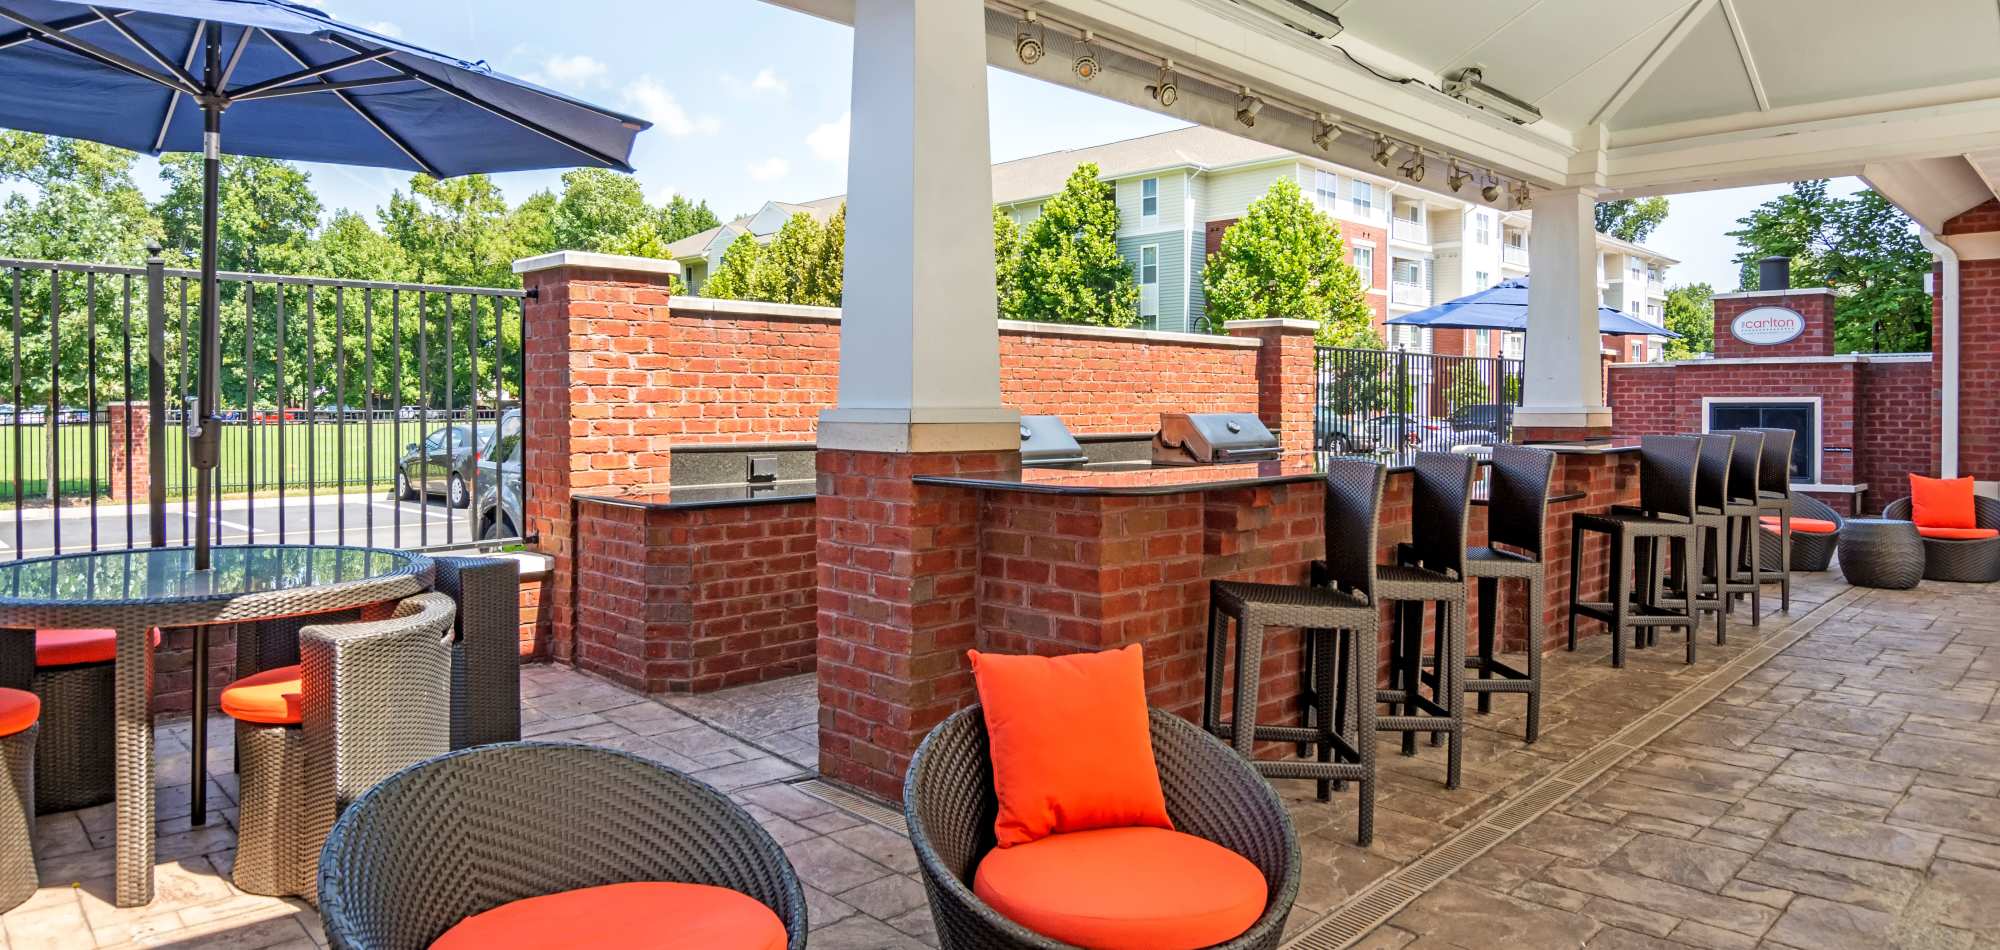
[1862, 247]
[731, 279]
[1006, 263]
[1631, 219]
[681, 218]
[1070, 270]
[1286, 259]
[826, 269]
[1467, 386]
[599, 210]
[1690, 312]
[784, 270]
[265, 219]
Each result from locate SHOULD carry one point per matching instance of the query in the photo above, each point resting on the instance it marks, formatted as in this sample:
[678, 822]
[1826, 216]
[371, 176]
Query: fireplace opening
[1799, 415]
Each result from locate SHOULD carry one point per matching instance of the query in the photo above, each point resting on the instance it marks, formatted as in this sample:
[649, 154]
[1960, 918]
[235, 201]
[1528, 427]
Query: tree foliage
[1862, 247]
[731, 279]
[1006, 263]
[1690, 312]
[1068, 269]
[1286, 259]
[1631, 219]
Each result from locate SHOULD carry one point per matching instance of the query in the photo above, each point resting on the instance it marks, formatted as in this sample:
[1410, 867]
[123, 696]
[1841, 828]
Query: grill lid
[1195, 438]
[1046, 443]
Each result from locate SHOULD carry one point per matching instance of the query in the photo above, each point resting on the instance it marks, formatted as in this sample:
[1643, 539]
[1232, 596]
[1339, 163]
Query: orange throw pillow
[1957, 534]
[1125, 889]
[1942, 502]
[1071, 745]
[657, 915]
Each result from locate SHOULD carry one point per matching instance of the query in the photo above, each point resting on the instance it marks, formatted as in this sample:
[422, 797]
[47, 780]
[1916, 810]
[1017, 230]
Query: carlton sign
[1767, 326]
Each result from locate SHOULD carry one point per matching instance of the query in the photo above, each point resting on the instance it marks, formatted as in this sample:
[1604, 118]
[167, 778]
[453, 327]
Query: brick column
[1286, 380]
[1813, 305]
[592, 332]
[1975, 238]
[133, 455]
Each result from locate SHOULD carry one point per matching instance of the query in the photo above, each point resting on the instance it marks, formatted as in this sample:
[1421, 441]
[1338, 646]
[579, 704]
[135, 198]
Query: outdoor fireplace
[1799, 414]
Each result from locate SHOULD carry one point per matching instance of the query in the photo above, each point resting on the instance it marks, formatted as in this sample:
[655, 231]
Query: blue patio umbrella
[1504, 306]
[278, 80]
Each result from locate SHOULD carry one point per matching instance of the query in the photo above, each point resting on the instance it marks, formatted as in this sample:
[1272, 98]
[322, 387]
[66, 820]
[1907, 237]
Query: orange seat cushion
[1071, 744]
[270, 697]
[1942, 502]
[656, 915]
[1958, 534]
[68, 646]
[1115, 888]
[1800, 525]
[18, 710]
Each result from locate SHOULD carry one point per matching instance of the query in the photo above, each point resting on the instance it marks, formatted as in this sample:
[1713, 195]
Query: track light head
[1522, 197]
[1247, 109]
[1086, 67]
[1165, 91]
[1456, 177]
[1492, 190]
[1325, 132]
[1385, 150]
[1414, 168]
[1028, 43]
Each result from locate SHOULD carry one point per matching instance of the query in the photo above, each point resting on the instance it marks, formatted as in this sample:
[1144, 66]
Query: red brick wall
[1667, 399]
[1897, 430]
[691, 600]
[1815, 306]
[1286, 382]
[1979, 220]
[1107, 385]
[1979, 363]
[136, 464]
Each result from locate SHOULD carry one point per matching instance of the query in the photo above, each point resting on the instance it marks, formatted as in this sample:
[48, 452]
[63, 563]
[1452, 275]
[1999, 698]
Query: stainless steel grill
[1201, 438]
[1046, 443]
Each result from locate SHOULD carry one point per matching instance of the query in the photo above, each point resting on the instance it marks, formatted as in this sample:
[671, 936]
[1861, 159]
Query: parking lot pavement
[371, 518]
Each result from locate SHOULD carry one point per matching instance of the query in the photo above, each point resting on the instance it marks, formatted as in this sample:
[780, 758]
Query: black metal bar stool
[1699, 576]
[1745, 464]
[1340, 620]
[1517, 506]
[1667, 465]
[1430, 569]
[1774, 497]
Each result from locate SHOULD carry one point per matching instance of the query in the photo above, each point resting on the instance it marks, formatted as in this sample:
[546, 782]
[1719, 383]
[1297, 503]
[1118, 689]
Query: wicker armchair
[1810, 552]
[527, 819]
[1211, 793]
[1975, 561]
[373, 698]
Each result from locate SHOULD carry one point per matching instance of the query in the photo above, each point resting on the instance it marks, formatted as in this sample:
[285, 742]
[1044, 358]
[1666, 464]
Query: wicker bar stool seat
[488, 830]
[1775, 499]
[1667, 471]
[1958, 555]
[1430, 569]
[1517, 504]
[1700, 577]
[71, 670]
[365, 700]
[20, 721]
[1340, 621]
[1747, 544]
[1815, 535]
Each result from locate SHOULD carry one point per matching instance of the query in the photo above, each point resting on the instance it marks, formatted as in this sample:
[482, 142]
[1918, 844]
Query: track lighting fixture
[1325, 131]
[1385, 150]
[1086, 67]
[1414, 168]
[1522, 198]
[1247, 109]
[1165, 90]
[1028, 43]
[1492, 190]
[1455, 177]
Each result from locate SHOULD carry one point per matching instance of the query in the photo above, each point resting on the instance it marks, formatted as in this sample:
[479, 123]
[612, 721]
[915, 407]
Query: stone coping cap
[1789, 292]
[642, 265]
[1839, 359]
[1306, 326]
[1118, 333]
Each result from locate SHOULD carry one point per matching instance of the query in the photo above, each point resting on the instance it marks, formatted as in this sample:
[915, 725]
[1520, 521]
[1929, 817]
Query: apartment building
[1178, 192]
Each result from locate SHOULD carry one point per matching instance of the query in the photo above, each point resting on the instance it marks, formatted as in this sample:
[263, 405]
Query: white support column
[919, 337]
[1564, 371]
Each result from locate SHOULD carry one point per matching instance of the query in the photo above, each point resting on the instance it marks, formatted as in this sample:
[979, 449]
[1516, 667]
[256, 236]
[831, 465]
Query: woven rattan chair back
[1746, 462]
[1353, 502]
[1517, 497]
[1711, 484]
[1441, 511]
[466, 832]
[1775, 472]
[1667, 466]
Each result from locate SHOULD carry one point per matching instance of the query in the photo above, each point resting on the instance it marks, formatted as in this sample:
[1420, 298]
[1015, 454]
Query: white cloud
[769, 169]
[765, 83]
[651, 101]
[828, 141]
[768, 81]
[577, 70]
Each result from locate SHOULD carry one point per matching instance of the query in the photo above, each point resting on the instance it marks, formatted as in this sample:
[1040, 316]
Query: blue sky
[749, 102]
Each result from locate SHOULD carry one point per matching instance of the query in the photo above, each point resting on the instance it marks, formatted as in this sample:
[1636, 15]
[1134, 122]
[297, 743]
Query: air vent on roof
[1308, 18]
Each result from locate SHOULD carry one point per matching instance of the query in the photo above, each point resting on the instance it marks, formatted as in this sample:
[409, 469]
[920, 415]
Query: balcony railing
[1514, 256]
[1409, 294]
[1414, 232]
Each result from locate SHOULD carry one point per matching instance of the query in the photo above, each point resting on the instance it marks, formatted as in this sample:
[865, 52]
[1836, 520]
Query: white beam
[920, 339]
[1930, 190]
[1563, 373]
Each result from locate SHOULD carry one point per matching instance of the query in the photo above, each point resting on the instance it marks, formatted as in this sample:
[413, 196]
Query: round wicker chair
[1976, 562]
[1211, 793]
[468, 831]
[1810, 552]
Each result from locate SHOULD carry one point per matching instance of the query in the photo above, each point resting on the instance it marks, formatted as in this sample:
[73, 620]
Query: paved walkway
[1846, 794]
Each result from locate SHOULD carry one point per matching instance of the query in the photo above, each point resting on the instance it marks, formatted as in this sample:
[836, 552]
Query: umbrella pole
[205, 438]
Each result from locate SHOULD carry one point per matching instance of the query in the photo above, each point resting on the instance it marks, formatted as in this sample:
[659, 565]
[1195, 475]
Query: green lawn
[326, 455]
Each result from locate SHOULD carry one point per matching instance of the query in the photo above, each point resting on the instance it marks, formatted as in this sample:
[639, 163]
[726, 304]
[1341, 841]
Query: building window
[1481, 280]
[1364, 261]
[1482, 228]
[1414, 339]
[1512, 345]
[1517, 239]
[1149, 198]
[1482, 343]
[1408, 271]
[1326, 191]
[1149, 281]
[1363, 196]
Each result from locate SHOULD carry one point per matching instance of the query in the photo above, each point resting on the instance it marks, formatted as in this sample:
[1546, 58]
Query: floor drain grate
[858, 805]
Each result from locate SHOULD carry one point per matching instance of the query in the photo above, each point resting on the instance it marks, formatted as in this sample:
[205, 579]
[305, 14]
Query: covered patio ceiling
[1636, 97]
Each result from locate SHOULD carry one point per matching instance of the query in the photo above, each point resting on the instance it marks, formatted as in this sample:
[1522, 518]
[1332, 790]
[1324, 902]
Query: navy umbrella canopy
[1504, 306]
[276, 79]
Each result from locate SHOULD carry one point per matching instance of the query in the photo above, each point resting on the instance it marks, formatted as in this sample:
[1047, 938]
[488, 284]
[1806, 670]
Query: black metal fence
[327, 386]
[1389, 402]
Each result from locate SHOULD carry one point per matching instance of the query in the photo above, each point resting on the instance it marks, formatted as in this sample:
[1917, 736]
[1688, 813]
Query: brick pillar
[593, 342]
[1287, 383]
[1810, 314]
[131, 453]
[1975, 237]
[898, 606]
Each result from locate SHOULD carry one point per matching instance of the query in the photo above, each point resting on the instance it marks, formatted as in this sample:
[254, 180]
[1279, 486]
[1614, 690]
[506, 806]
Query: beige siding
[1173, 191]
[1230, 192]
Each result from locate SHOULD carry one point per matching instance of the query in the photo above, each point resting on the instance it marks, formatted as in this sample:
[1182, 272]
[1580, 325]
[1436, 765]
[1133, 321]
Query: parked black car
[442, 463]
[1486, 416]
[500, 509]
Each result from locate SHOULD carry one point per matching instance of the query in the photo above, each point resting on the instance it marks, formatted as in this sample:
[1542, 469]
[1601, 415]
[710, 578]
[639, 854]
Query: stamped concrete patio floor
[1844, 793]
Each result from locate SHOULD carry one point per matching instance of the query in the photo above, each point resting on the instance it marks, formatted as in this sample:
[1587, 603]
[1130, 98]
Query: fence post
[1402, 397]
[156, 393]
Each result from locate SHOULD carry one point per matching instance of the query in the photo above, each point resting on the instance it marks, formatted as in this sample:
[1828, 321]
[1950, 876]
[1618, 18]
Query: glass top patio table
[134, 591]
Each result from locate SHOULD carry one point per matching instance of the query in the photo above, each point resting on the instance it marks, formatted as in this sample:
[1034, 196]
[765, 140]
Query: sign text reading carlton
[1767, 326]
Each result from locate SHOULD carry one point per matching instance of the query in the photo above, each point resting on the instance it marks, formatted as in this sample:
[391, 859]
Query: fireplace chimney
[1774, 273]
